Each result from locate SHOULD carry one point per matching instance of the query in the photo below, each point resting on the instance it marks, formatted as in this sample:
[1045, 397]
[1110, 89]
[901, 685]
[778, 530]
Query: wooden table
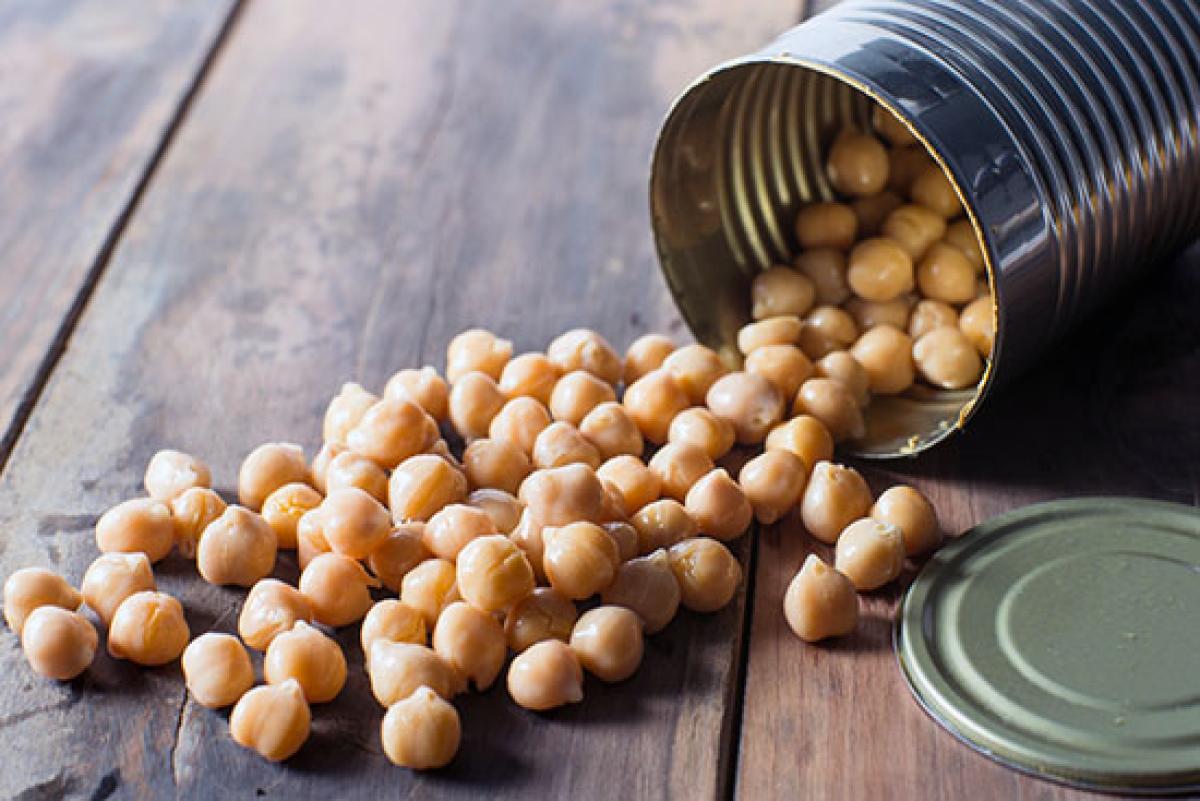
[214, 212]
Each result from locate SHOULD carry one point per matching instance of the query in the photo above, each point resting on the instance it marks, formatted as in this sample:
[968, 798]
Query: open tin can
[1070, 130]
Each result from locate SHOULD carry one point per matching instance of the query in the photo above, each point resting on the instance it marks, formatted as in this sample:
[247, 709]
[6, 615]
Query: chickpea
[889, 126]
[841, 366]
[661, 524]
[503, 507]
[749, 402]
[880, 270]
[962, 235]
[474, 401]
[700, 428]
[781, 291]
[421, 732]
[109, 580]
[429, 588]
[608, 641]
[783, 330]
[271, 607]
[632, 480]
[311, 658]
[345, 410]
[805, 436]
[452, 528]
[397, 669]
[561, 495]
[310, 538]
[284, 507]
[820, 602]
[476, 350]
[718, 506]
[422, 485]
[562, 444]
[827, 329]
[266, 469]
[826, 268]
[679, 466]
[836, 496]
[582, 349]
[946, 275]
[272, 720]
[869, 314]
[578, 393]
[170, 473]
[610, 429]
[911, 512]
[978, 324]
[350, 469]
[31, 587]
[191, 512]
[695, 367]
[401, 551]
[646, 585]
[914, 228]
[834, 405]
[393, 621]
[530, 375]
[236, 548]
[947, 359]
[545, 675]
[905, 163]
[885, 354]
[423, 387]
[872, 210]
[930, 314]
[319, 466]
[653, 401]
[472, 642]
[544, 614]
[580, 559]
[217, 670]
[857, 164]
[391, 431]
[58, 643]
[495, 463]
[338, 588]
[148, 628]
[773, 483]
[519, 421]
[707, 573]
[826, 225]
[626, 538]
[870, 553]
[647, 353]
[139, 525]
[493, 573]
[933, 190]
[785, 366]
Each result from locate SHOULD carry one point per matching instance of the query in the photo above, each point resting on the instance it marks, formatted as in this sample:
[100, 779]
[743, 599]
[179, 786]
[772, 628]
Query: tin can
[1070, 130]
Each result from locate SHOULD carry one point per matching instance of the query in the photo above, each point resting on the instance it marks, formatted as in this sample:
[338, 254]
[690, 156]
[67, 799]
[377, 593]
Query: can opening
[740, 152]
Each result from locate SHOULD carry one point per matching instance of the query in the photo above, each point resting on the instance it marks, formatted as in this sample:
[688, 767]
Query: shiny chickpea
[495, 463]
[111, 579]
[612, 431]
[905, 163]
[803, 435]
[653, 401]
[826, 268]
[707, 573]
[474, 401]
[350, 469]
[748, 402]
[423, 387]
[911, 512]
[839, 365]
[646, 585]
[626, 538]
[978, 325]
[476, 350]
[309, 657]
[319, 466]
[781, 291]
[562, 444]
[582, 349]
[191, 512]
[872, 210]
[472, 642]
[697, 427]
[961, 235]
[946, 358]
[827, 329]
[338, 588]
[217, 670]
[393, 621]
[661, 524]
[930, 314]
[397, 669]
[857, 164]
[608, 642]
[889, 126]
[695, 367]
[915, 228]
[345, 410]
[826, 225]
[820, 602]
[58, 643]
[580, 559]
[885, 353]
[391, 431]
[272, 720]
[449, 531]
[148, 628]
[678, 466]
[785, 366]
[267, 468]
[946, 275]
[933, 190]
[310, 538]
[783, 330]
[504, 508]
[870, 553]
[30, 587]
[562, 495]
[879, 270]
[236, 548]
[422, 485]
[530, 375]
[402, 550]
[834, 405]
[773, 483]
[545, 675]
[429, 588]
[421, 732]
[519, 421]
[835, 497]
[870, 314]
[271, 607]
[170, 473]
[544, 614]
[631, 478]
[493, 573]
[284, 507]
[576, 394]
[719, 506]
[647, 353]
[139, 525]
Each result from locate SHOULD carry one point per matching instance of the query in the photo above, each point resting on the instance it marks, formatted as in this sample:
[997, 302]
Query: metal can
[1070, 130]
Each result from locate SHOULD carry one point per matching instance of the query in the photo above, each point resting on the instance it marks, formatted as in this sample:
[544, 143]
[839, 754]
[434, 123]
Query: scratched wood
[351, 186]
[88, 92]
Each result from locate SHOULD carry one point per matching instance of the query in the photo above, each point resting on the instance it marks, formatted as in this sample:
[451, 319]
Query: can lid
[1063, 639]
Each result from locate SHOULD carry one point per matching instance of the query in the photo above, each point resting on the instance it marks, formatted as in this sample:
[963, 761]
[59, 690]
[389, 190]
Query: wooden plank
[350, 189]
[88, 93]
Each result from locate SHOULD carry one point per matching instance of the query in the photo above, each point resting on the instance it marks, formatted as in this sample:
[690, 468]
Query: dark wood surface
[347, 189]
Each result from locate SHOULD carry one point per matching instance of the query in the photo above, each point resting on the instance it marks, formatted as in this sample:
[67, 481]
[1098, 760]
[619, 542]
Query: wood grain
[88, 93]
[348, 190]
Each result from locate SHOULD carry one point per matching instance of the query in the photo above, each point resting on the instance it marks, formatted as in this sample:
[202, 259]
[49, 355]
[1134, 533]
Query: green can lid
[1063, 639]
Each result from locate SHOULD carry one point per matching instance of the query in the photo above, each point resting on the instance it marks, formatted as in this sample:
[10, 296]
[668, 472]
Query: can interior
[740, 152]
